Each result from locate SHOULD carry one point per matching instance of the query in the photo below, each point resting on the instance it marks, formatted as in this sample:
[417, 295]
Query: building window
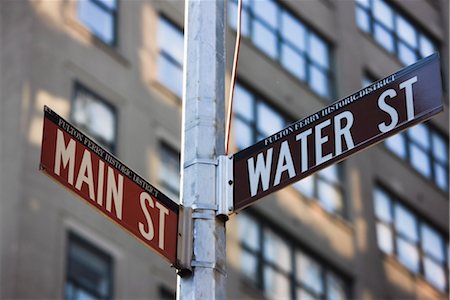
[281, 269]
[424, 148]
[169, 173]
[326, 187]
[393, 31]
[170, 61]
[100, 16]
[254, 120]
[89, 271]
[416, 244]
[95, 116]
[284, 38]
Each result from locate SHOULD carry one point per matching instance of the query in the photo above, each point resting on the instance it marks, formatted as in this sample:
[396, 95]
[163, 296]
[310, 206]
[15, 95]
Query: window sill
[112, 51]
[405, 163]
[419, 279]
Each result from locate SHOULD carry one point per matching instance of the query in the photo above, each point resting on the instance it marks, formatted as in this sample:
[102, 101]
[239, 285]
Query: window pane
[276, 250]
[432, 243]
[293, 31]
[109, 3]
[420, 161]
[170, 40]
[309, 273]
[243, 135]
[318, 81]
[170, 75]
[269, 121]
[397, 144]
[384, 238]
[408, 255]
[440, 148]
[419, 135]
[426, 46]
[362, 19]
[406, 31]
[330, 197]
[302, 294]
[306, 186]
[170, 170]
[441, 176]
[248, 232]
[364, 3]
[266, 10]
[89, 269]
[406, 55]
[264, 39]
[293, 61]
[382, 206]
[330, 173]
[276, 285]
[98, 20]
[335, 288]
[405, 222]
[249, 265]
[318, 50]
[435, 274]
[384, 37]
[95, 116]
[383, 13]
[243, 103]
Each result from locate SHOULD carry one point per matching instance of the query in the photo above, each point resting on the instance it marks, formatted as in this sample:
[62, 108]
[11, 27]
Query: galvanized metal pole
[202, 143]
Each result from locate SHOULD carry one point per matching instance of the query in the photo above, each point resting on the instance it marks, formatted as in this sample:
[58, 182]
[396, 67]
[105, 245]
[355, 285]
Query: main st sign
[364, 118]
[102, 181]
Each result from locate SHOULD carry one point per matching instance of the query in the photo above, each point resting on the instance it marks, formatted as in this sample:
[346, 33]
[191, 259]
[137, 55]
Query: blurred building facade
[375, 226]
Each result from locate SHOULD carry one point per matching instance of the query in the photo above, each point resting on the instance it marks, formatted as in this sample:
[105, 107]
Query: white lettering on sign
[149, 234]
[336, 130]
[391, 93]
[65, 158]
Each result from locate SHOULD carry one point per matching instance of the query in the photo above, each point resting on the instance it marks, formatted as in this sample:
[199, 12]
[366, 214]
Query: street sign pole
[202, 143]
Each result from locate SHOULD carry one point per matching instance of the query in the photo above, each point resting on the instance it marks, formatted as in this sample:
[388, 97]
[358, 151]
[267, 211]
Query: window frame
[167, 56]
[80, 86]
[114, 13]
[398, 40]
[73, 237]
[294, 248]
[420, 221]
[165, 146]
[280, 41]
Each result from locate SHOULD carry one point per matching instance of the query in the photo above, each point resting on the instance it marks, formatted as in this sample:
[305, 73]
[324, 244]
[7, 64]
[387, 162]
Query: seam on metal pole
[202, 161]
[208, 265]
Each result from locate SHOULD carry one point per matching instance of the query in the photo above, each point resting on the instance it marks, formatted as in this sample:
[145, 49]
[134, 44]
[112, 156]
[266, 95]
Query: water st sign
[102, 181]
[401, 100]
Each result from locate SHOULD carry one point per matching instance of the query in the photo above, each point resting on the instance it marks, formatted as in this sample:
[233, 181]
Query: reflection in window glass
[276, 251]
[276, 285]
[420, 161]
[306, 186]
[406, 31]
[397, 144]
[269, 121]
[402, 239]
[383, 13]
[95, 116]
[293, 31]
[384, 38]
[265, 40]
[336, 288]
[100, 17]
[293, 62]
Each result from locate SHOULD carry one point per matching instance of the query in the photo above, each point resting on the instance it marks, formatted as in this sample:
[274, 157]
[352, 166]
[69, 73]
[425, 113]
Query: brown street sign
[374, 113]
[102, 181]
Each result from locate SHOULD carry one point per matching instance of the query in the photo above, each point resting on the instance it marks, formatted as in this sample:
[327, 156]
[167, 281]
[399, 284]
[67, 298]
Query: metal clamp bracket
[225, 182]
[208, 265]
